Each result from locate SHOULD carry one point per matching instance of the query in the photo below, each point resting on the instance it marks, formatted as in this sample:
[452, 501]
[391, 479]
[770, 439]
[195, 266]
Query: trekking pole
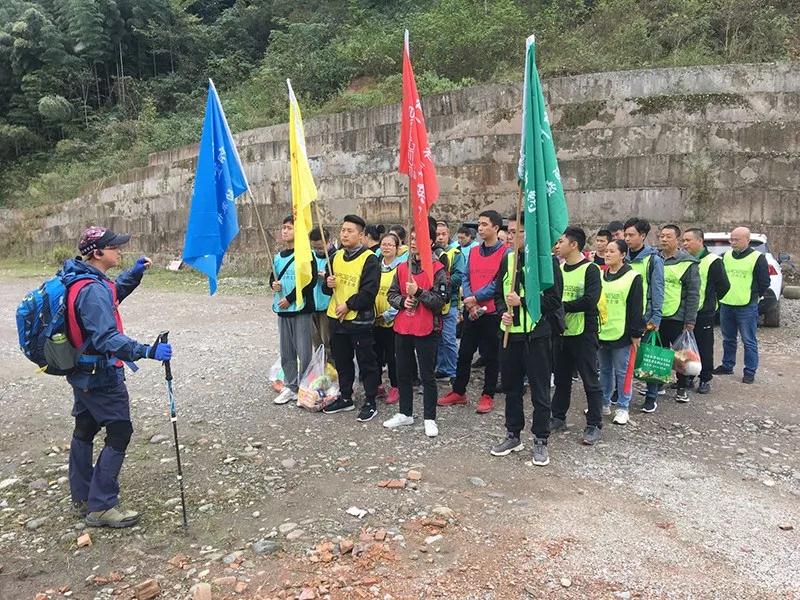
[173, 416]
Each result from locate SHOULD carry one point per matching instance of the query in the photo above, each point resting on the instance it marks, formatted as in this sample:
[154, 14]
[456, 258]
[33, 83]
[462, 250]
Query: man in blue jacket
[101, 398]
[646, 261]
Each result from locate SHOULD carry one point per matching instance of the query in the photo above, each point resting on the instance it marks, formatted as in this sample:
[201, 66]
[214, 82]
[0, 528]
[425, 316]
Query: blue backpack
[41, 327]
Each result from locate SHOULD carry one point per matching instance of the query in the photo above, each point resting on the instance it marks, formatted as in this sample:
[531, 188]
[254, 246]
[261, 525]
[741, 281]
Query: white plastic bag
[687, 356]
[276, 375]
[319, 385]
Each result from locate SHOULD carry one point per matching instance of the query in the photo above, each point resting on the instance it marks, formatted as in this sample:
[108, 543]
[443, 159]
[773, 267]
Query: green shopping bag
[653, 363]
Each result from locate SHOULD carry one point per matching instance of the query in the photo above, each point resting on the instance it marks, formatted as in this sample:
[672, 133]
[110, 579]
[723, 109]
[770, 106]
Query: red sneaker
[485, 404]
[393, 396]
[452, 399]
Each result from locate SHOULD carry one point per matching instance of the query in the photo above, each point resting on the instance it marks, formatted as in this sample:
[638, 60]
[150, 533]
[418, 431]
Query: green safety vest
[526, 324]
[673, 287]
[705, 265]
[574, 288]
[642, 267]
[616, 293]
[740, 274]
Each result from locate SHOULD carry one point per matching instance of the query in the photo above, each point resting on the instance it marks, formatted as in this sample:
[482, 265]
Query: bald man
[748, 274]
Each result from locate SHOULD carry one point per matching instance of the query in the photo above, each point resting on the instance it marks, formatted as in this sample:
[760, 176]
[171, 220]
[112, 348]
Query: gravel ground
[695, 501]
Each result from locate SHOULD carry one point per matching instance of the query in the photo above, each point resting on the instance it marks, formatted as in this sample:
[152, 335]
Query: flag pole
[260, 226]
[516, 257]
[322, 233]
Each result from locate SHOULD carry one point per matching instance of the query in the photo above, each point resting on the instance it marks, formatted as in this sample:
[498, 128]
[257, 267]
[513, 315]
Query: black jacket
[363, 301]
[634, 319]
[716, 286]
[550, 299]
[591, 295]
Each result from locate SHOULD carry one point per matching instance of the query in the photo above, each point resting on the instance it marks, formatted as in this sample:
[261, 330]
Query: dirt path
[697, 500]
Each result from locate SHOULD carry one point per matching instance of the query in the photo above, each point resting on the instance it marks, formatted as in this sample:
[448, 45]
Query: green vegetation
[89, 87]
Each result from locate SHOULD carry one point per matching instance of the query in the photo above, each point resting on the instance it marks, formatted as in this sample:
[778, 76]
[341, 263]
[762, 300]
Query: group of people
[373, 301]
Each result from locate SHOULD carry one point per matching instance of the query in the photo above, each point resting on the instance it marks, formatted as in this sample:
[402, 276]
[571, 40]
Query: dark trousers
[384, 348]
[426, 348]
[94, 409]
[670, 331]
[704, 334]
[362, 344]
[578, 352]
[531, 357]
[481, 334]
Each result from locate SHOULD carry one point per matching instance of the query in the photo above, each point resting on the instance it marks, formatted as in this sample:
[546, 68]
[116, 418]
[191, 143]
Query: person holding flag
[219, 180]
[294, 310]
[541, 218]
[418, 299]
[352, 279]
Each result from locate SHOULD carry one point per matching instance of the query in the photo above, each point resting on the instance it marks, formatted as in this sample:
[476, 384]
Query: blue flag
[219, 179]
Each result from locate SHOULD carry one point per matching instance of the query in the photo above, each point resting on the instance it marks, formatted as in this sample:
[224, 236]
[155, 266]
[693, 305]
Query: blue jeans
[613, 366]
[744, 321]
[448, 348]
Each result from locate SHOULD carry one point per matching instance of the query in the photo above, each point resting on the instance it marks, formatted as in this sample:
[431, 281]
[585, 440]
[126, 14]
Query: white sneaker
[606, 411]
[398, 420]
[431, 429]
[621, 416]
[287, 395]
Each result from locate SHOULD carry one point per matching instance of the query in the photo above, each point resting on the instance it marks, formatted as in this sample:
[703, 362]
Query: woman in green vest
[385, 314]
[624, 326]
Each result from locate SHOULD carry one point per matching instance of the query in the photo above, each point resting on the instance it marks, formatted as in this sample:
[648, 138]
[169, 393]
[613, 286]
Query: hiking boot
[80, 508]
[286, 396]
[485, 404]
[539, 455]
[339, 405]
[115, 517]
[398, 420]
[381, 392]
[556, 424]
[479, 362]
[682, 396]
[607, 410]
[620, 417]
[704, 387]
[720, 370]
[367, 412]
[507, 446]
[748, 378]
[649, 405]
[393, 395]
[451, 399]
[431, 429]
[591, 435]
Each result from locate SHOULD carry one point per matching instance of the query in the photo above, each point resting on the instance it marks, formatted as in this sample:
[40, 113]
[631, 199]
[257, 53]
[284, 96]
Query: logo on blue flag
[219, 179]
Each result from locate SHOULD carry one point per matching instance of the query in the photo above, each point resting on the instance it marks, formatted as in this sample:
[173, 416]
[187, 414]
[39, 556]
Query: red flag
[416, 161]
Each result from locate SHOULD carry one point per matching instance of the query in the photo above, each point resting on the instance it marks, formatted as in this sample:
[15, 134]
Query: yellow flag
[304, 192]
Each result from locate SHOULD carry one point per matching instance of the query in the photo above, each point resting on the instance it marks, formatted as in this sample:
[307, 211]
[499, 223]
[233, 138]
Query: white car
[770, 304]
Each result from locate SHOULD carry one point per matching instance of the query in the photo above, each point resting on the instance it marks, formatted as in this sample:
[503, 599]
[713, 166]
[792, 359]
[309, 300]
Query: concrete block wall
[716, 146]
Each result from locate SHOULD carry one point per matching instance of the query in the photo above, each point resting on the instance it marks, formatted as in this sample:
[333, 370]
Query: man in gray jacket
[681, 295]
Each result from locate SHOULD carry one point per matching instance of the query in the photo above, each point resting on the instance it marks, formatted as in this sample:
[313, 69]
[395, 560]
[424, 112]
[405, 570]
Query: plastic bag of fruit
[687, 356]
[319, 385]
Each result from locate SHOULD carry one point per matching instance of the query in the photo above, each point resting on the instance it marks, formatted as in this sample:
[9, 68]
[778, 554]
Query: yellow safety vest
[451, 254]
[382, 299]
[616, 293]
[642, 267]
[673, 287]
[705, 265]
[574, 288]
[740, 274]
[526, 323]
[348, 280]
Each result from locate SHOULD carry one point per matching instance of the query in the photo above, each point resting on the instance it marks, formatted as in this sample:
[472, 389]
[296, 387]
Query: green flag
[543, 204]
